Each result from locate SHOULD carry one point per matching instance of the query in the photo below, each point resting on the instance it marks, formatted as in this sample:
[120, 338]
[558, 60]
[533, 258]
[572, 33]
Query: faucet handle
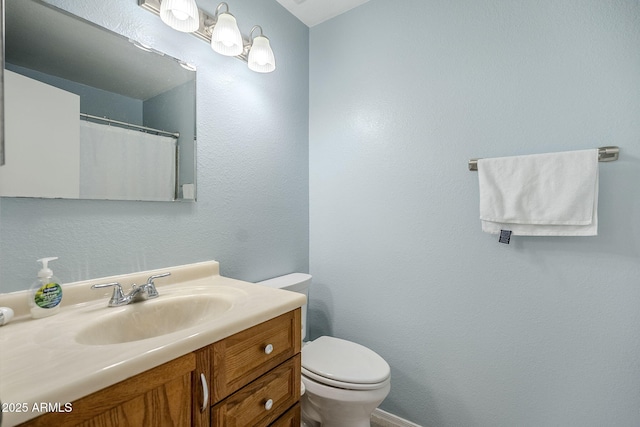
[157, 276]
[118, 298]
[152, 292]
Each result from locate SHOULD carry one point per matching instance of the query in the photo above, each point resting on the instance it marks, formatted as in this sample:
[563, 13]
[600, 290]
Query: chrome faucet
[137, 293]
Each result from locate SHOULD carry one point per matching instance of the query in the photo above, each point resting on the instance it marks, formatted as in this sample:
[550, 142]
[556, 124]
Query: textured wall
[252, 129]
[542, 332]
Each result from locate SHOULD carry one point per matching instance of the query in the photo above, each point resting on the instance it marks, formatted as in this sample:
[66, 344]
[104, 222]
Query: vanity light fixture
[181, 15]
[220, 30]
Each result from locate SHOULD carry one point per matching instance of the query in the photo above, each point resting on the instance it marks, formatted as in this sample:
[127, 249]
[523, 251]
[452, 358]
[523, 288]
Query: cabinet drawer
[245, 356]
[291, 418]
[263, 401]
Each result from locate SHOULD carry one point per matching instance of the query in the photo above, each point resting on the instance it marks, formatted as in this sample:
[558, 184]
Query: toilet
[343, 382]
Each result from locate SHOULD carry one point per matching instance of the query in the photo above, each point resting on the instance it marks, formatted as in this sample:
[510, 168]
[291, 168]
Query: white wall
[542, 332]
[45, 158]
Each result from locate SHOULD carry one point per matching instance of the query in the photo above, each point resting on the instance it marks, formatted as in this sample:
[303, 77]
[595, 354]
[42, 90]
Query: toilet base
[334, 407]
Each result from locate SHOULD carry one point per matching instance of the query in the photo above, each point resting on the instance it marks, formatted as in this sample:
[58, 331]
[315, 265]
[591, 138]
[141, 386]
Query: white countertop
[41, 362]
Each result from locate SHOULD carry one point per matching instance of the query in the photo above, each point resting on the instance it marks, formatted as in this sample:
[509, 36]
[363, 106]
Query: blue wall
[175, 110]
[542, 332]
[252, 210]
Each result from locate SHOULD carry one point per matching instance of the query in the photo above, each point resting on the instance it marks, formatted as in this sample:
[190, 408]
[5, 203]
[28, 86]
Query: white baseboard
[381, 418]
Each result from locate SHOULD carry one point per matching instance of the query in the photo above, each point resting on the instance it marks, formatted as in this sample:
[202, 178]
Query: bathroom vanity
[236, 363]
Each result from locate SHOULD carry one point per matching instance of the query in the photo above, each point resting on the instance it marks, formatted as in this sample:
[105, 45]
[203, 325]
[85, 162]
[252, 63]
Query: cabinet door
[165, 406]
[158, 397]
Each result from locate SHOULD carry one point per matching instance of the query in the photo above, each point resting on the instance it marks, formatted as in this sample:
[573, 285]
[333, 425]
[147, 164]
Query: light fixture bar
[153, 6]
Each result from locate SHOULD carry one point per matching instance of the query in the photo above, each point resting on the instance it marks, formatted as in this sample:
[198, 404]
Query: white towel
[553, 194]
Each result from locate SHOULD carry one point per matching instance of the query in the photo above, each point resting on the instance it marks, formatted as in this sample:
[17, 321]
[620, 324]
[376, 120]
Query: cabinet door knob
[268, 349]
[268, 404]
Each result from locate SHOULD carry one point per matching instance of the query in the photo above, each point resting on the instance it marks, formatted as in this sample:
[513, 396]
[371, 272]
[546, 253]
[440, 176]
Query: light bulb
[226, 38]
[181, 15]
[261, 57]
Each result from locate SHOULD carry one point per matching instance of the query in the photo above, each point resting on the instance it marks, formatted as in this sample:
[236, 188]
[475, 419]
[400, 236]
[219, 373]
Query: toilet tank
[295, 282]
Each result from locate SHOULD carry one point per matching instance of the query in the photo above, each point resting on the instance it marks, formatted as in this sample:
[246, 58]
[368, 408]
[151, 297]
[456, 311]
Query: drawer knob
[269, 404]
[268, 349]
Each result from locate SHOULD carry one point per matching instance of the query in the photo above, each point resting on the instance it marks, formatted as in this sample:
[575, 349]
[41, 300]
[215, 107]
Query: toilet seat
[344, 364]
[310, 376]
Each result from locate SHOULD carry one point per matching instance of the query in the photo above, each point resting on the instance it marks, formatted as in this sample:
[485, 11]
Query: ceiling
[313, 12]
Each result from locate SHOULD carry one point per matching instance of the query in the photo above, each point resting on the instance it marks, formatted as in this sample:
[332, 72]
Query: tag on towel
[505, 236]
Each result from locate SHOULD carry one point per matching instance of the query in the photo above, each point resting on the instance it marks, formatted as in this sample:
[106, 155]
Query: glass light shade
[181, 15]
[226, 38]
[261, 57]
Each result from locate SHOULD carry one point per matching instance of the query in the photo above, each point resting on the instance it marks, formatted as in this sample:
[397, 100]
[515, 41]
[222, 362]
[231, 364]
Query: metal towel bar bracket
[605, 154]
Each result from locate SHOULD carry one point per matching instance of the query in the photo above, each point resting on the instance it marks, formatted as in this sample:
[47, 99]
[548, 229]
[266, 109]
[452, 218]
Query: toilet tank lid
[344, 361]
[293, 282]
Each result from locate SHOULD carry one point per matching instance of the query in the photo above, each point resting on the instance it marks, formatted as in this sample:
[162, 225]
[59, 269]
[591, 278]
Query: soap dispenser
[45, 294]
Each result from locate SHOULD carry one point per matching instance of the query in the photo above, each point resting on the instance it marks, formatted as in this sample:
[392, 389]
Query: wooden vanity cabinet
[253, 379]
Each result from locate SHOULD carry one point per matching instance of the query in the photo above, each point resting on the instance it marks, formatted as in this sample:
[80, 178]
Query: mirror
[90, 114]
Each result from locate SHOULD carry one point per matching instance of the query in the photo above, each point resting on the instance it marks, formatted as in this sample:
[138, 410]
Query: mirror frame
[1, 82]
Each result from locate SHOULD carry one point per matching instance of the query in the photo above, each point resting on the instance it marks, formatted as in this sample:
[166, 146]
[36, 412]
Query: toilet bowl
[344, 381]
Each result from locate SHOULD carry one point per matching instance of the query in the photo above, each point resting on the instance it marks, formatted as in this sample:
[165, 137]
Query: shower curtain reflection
[111, 160]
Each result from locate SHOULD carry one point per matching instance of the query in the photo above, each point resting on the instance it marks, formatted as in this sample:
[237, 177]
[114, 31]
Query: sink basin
[153, 318]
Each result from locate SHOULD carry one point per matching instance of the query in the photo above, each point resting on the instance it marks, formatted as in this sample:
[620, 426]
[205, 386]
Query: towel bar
[605, 154]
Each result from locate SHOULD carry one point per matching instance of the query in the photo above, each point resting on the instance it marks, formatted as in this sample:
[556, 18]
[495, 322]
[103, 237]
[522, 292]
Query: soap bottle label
[48, 296]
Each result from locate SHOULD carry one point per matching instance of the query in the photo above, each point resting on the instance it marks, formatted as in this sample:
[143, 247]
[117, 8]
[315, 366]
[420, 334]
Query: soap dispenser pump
[45, 294]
